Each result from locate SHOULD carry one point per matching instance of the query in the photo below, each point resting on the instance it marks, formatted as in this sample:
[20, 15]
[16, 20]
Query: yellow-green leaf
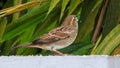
[111, 41]
[73, 5]
[52, 5]
[64, 4]
[3, 23]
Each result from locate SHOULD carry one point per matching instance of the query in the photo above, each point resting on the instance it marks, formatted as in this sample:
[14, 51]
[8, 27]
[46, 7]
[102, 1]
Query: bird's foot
[58, 53]
[63, 55]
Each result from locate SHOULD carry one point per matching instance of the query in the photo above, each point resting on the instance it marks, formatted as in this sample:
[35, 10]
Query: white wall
[59, 62]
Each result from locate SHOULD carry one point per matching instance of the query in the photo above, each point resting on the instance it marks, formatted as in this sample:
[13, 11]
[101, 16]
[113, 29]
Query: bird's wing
[52, 36]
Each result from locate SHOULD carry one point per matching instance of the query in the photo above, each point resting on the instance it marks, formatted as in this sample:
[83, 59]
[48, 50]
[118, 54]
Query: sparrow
[57, 38]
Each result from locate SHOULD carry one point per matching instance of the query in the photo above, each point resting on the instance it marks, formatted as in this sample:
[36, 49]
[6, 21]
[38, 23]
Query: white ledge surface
[59, 62]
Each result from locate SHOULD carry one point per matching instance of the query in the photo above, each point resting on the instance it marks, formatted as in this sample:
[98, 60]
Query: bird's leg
[58, 53]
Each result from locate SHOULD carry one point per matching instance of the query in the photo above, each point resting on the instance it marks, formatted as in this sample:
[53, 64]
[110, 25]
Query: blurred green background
[22, 21]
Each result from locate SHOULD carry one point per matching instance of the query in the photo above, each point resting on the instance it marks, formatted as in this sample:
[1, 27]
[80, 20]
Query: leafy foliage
[22, 21]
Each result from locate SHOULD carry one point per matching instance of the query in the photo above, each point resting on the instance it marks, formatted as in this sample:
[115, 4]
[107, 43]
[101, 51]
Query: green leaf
[30, 19]
[96, 44]
[111, 41]
[25, 38]
[3, 23]
[16, 15]
[83, 50]
[50, 22]
[27, 35]
[19, 28]
[73, 5]
[87, 20]
[29, 51]
[111, 17]
[6, 48]
[52, 5]
[64, 4]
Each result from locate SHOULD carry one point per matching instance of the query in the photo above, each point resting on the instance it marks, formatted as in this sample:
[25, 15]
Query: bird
[57, 38]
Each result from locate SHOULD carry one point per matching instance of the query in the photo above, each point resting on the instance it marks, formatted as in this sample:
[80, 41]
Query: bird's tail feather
[22, 46]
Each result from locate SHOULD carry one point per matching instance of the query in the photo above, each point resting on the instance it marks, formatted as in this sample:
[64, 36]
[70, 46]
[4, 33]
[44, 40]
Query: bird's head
[71, 21]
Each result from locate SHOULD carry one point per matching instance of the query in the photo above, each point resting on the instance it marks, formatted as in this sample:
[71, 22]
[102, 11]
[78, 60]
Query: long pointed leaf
[111, 41]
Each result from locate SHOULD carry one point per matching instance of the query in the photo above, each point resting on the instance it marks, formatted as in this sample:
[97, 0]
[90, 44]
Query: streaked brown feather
[51, 37]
